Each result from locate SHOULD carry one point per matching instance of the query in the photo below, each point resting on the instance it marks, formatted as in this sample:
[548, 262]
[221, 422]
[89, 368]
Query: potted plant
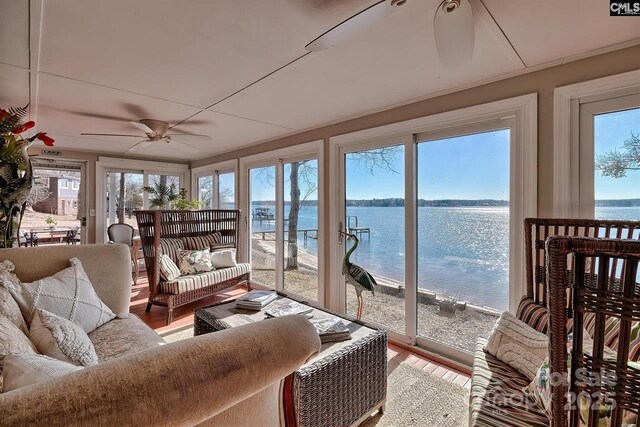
[184, 204]
[16, 172]
[50, 222]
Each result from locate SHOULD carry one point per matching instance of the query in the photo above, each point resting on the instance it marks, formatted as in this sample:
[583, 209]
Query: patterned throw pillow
[168, 269]
[61, 339]
[533, 314]
[68, 294]
[12, 341]
[8, 306]
[198, 243]
[194, 262]
[26, 369]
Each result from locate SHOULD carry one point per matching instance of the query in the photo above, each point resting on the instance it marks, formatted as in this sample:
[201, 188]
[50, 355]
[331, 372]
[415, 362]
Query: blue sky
[467, 167]
[610, 131]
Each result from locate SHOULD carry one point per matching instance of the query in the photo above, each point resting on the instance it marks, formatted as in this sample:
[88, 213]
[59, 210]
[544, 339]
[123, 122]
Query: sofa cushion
[61, 339]
[171, 247]
[26, 369]
[68, 294]
[224, 258]
[197, 243]
[123, 335]
[497, 397]
[199, 281]
[533, 314]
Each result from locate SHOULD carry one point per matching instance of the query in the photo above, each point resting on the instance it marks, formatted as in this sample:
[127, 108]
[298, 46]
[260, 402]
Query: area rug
[414, 397]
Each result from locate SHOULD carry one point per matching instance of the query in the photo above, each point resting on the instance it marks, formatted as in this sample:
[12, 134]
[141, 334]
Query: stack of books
[331, 330]
[256, 300]
[290, 308]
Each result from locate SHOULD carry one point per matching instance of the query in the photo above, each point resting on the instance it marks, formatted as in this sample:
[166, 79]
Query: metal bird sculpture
[356, 275]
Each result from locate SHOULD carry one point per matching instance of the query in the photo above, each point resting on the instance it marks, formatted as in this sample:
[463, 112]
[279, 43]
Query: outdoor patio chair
[25, 239]
[72, 236]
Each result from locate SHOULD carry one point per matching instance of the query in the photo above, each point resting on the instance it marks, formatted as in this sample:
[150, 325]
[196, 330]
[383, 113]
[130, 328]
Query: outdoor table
[59, 232]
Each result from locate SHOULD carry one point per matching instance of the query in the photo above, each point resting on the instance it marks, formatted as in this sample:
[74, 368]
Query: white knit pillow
[26, 369]
[61, 339]
[68, 294]
[518, 345]
[12, 341]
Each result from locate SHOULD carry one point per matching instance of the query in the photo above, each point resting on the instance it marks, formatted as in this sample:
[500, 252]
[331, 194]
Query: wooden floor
[183, 316]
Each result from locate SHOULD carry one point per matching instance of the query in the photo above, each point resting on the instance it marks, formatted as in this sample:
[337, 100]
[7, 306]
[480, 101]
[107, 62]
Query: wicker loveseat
[166, 232]
[497, 397]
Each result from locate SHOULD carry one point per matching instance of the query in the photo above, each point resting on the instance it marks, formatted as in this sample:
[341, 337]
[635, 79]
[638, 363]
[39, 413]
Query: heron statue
[356, 275]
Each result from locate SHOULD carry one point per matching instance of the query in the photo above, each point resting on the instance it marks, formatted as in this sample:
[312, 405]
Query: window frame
[522, 111]
[214, 171]
[277, 158]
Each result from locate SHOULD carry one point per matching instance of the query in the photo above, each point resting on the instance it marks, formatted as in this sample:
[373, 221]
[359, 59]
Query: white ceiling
[170, 60]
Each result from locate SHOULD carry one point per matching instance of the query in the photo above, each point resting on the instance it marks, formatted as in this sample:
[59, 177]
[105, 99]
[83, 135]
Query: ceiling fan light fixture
[454, 33]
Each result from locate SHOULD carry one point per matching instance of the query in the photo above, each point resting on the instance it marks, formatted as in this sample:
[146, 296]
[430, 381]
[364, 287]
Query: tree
[121, 193]
[161, 194]
[616, 163]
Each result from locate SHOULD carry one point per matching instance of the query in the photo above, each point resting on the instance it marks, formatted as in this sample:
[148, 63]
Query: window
[283, 220]
[75, 185]
[609, 161]
[64, 184]
[205, 191]
[226, 190]
[216, 185]
[162, 191]
[437, 206]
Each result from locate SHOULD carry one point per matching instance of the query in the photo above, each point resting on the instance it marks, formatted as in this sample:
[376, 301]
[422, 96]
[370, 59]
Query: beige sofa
[230, 378]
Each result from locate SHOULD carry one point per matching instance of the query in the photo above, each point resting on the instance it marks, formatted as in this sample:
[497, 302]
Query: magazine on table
[331, 330]
[289, 309]
[256, 300]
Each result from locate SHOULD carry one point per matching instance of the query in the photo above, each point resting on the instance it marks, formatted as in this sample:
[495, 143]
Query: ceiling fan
[156, 131]
[453, 28]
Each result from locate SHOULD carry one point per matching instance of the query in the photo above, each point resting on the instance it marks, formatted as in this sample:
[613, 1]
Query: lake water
[462, 252]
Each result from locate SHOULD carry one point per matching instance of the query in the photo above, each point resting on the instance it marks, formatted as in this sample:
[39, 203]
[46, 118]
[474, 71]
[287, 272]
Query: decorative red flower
[48, 141]
[23, 127]
[3, 113]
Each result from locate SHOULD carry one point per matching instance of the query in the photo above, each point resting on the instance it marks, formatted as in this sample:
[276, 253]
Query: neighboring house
[63, 197]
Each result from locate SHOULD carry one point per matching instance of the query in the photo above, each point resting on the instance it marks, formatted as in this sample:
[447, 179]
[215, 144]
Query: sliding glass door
[262, 225]
[432, 217]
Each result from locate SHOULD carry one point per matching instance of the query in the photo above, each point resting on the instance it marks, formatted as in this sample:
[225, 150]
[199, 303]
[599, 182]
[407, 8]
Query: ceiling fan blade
[134, 110]
[144, 128]
[140, 145]
[189, 136]
[110, 134]
[98, 116]
[454, 32]
[354, 25]
[187, 147]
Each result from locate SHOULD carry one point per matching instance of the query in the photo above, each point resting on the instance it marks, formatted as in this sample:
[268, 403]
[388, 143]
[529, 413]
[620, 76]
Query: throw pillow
[26, 369]
[223, 258]
[518, 345]
[12, 341]
[168, 269]
[68, 294]
[198, 243]
[194, 262]
[9, 309]
[533, 314]
[61, 339]
[539, 390]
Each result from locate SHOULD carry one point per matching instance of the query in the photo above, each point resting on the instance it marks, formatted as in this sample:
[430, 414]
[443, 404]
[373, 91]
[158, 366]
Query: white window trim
[314, 149]
[65, 182]
[566, 134]
[523, 186]
[147, 167]
[214, 170]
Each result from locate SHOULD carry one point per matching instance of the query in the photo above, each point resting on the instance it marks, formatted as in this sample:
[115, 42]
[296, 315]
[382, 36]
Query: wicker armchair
[602, 285]
[154, 225]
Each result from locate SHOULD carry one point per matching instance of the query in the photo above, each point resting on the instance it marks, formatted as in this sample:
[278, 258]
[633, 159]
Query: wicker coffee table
[340, 386]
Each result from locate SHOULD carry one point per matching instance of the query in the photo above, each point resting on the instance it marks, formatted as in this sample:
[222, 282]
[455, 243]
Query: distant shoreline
[450, 203]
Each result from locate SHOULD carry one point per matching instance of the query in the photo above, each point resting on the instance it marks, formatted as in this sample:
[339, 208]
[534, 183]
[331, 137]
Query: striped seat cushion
[198, 281]
[198, 243]
[497, 398]
[171, 247]
[533, 314]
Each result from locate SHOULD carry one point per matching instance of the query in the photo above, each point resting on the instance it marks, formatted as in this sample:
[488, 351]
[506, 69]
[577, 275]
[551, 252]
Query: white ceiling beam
[483, 13]
[36, 10]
